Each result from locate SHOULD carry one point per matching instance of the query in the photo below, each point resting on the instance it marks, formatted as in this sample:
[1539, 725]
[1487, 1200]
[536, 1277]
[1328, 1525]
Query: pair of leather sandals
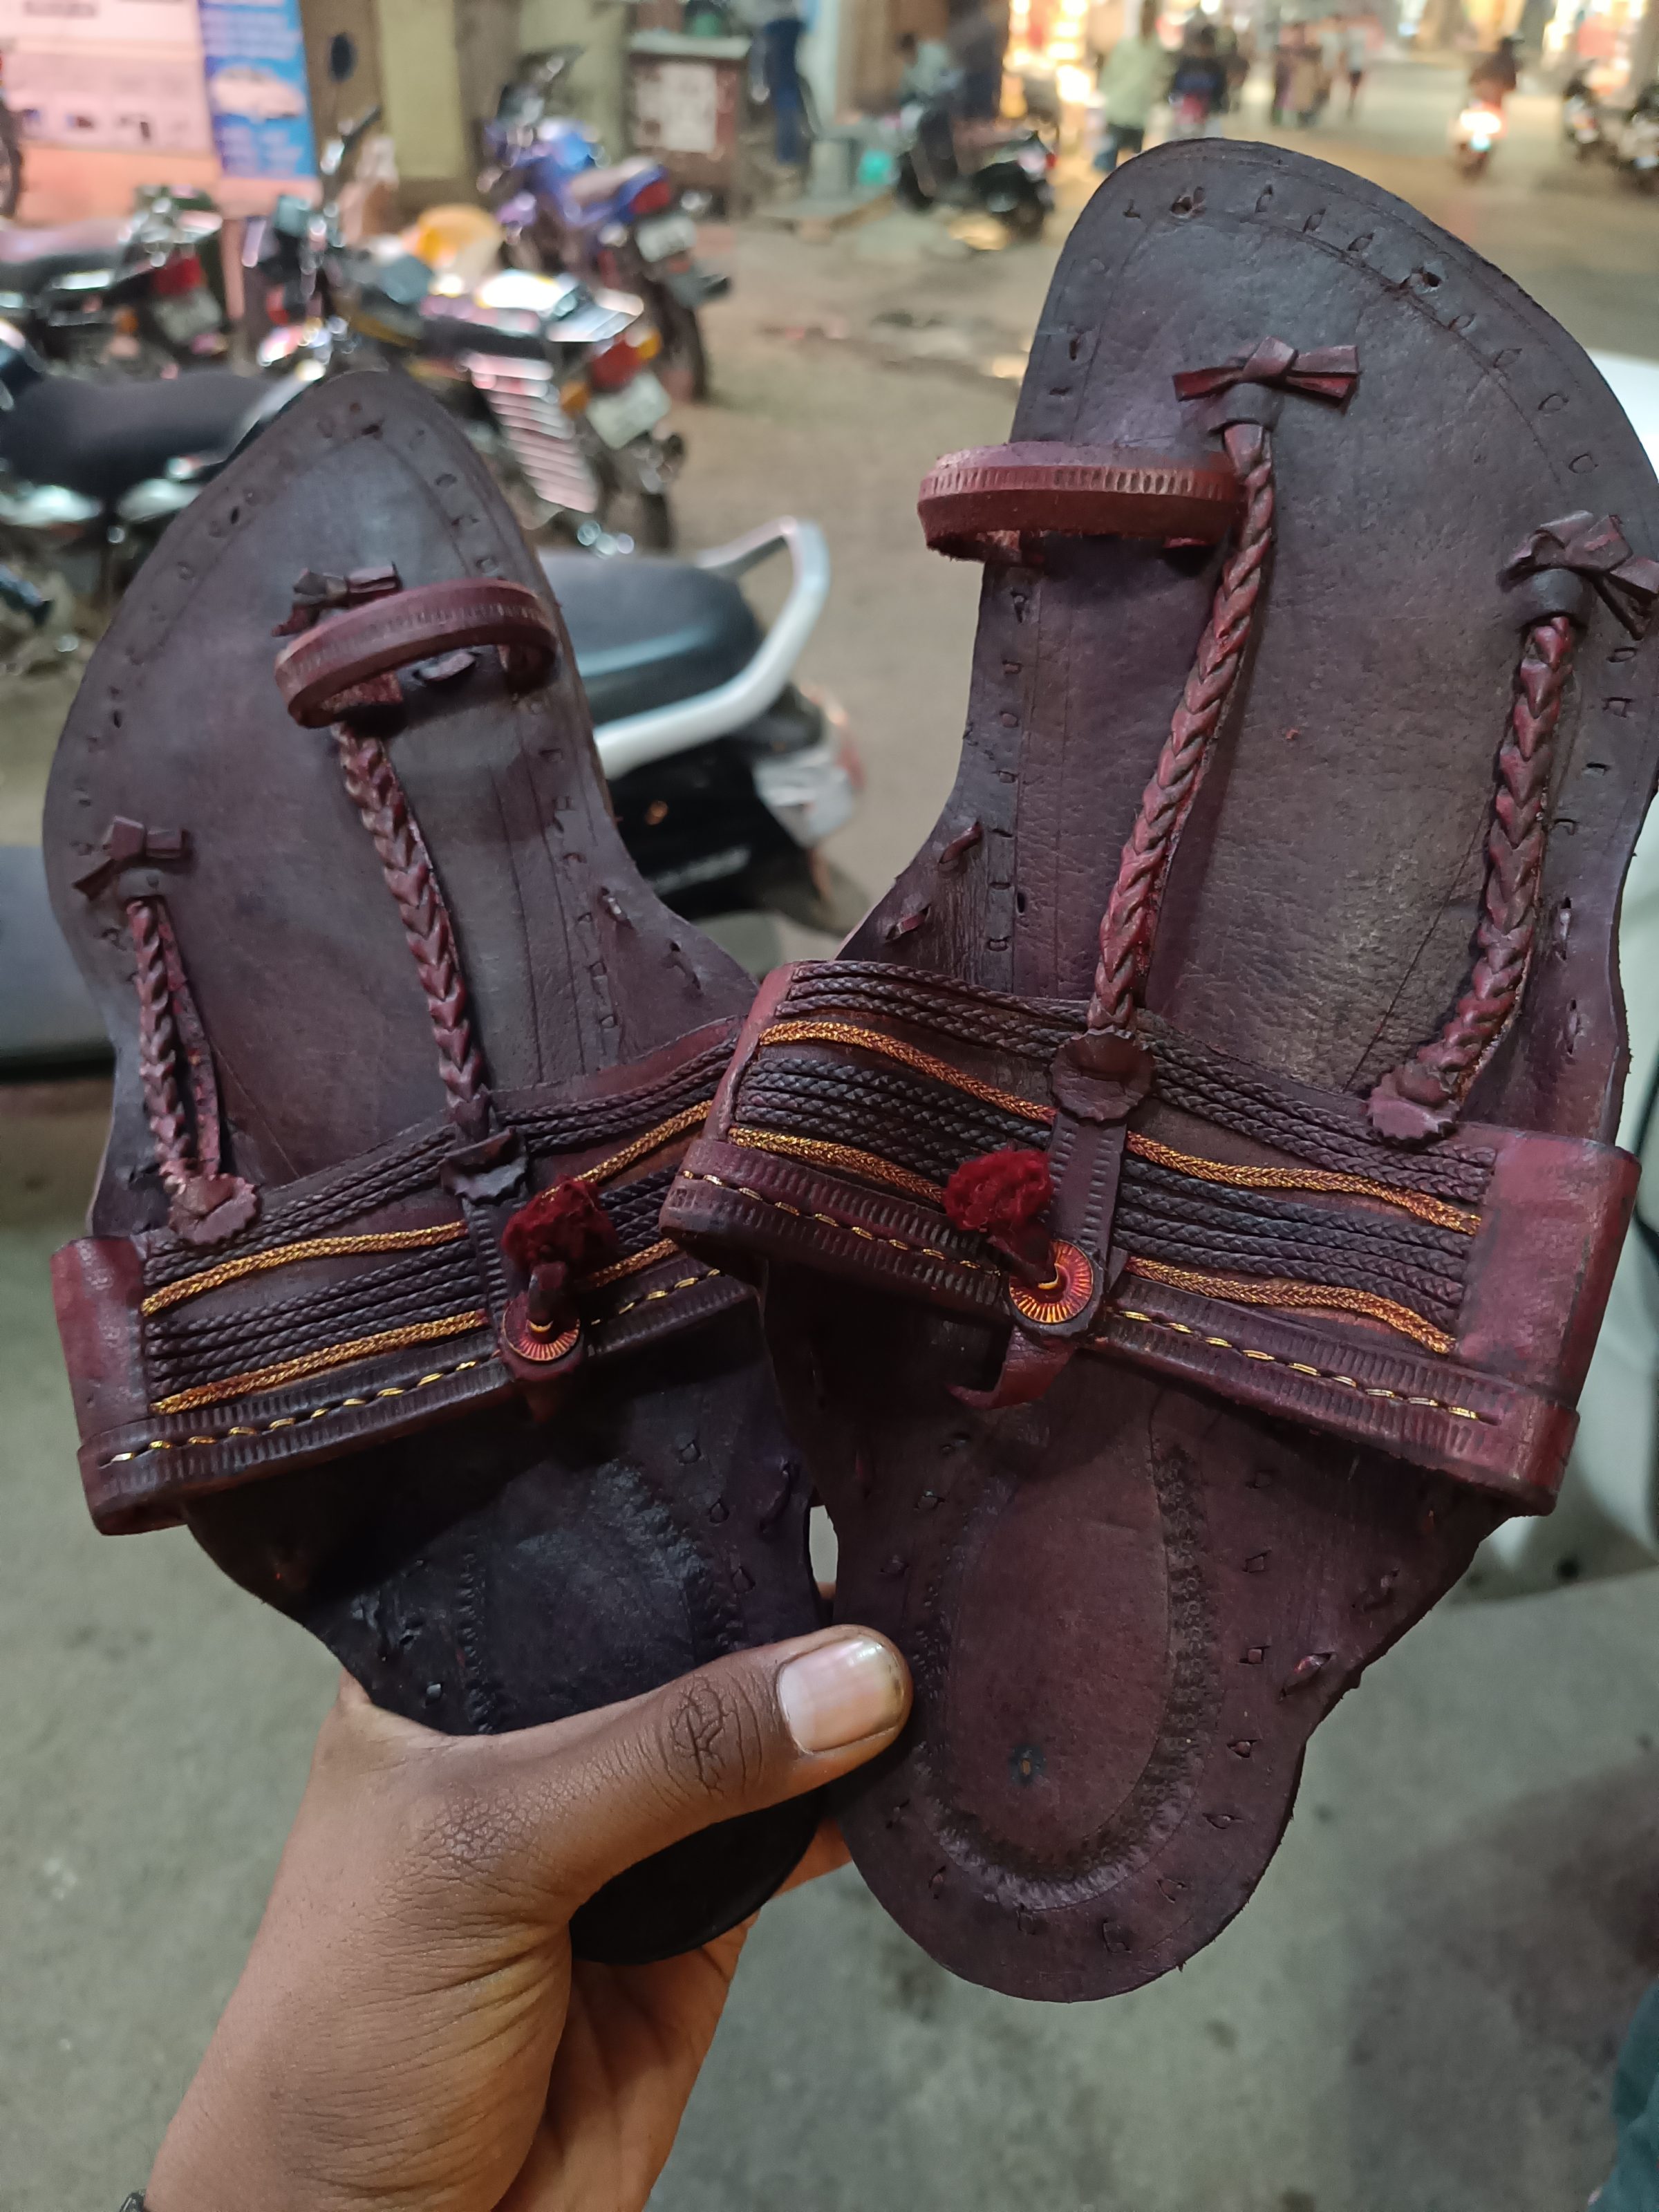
[1183, 1212]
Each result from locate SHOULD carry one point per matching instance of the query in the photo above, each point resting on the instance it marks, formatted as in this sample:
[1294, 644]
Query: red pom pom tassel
[565, 1224]
[1003, 1196]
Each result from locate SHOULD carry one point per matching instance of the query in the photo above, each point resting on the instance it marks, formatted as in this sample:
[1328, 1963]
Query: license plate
[191, 315]
[621, 416]
[668, 236]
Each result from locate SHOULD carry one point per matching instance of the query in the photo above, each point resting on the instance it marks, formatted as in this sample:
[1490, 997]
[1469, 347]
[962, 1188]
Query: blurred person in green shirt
[1133, 79]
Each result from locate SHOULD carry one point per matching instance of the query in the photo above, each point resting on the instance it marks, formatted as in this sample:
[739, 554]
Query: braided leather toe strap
[1557, 572]
[1129, 924]
[376, 790]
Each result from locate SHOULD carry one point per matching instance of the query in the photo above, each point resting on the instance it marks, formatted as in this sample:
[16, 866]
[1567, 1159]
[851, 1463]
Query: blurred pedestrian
[928, 70]
[976, 46]
[1132, 78]
[1302, 94]
[1198, 89]
[1286, 47]
[1495, 75]
[779, 30]
[1356, 59]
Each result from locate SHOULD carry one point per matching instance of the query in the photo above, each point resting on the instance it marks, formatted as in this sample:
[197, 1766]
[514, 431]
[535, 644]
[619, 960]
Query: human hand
[411, 2029]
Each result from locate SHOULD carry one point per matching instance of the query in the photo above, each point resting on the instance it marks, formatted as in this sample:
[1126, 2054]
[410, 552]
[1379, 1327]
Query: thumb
[738, 1734]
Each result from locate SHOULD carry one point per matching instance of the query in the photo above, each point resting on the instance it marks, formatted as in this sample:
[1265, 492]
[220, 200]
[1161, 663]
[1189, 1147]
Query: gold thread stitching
[1418, 1203]
[1301, 1367]
[1242, 1289]
[261, 1379]
[689, 1117]
[828, 1032]
[398, 1240]
[289, 1256]
[847, 1158]
[620, 1268]
[831, 1221]
[1433, 1209]
[159, 1444]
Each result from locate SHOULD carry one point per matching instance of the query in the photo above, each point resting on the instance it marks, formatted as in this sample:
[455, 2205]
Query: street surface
[1420, 2011]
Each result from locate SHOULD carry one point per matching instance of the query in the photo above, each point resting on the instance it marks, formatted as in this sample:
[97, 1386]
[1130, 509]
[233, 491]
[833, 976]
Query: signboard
[125, 74]
[179, 76]
[253, 57]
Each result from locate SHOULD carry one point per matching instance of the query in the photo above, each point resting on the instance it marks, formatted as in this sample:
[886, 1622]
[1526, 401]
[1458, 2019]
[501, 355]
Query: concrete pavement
[1418, 2011]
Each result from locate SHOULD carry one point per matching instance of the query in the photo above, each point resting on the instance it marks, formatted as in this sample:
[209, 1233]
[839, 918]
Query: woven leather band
[421, 624]
[359, 1308]
[973, 503]
[1483, 1391]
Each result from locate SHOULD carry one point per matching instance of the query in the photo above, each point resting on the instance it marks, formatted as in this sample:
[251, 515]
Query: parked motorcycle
[562, 206]
[91, 474]
[1582, 123]
[1475, 132]
[551, 377]
[726, 776]
[999, 172]
[129, 292]
[1633, 141]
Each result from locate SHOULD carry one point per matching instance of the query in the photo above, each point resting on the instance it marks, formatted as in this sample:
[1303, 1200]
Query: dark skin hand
[411, 2030]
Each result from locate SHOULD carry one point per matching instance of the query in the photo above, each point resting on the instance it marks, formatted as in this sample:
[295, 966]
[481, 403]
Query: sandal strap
[977, 505]
[396, 629]
[362, 1307]
[1367, 1304]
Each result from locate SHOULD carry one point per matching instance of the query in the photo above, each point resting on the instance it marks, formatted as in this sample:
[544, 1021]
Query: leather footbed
[492, 1572]
[1128, 1605]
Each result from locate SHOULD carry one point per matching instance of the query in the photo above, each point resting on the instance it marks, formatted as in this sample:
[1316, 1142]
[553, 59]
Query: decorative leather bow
[1595, 549]
[130, 845]
[1324, 372]
[316, 595]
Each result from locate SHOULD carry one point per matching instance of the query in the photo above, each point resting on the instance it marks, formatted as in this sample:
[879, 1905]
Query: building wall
[597, 84]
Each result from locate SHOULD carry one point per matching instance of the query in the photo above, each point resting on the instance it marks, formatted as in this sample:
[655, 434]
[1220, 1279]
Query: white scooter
[726, 775]
[1478, 128]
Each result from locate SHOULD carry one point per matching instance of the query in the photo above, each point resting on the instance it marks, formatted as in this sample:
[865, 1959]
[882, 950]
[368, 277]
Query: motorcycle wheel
[1026, 217]
[907, 186]
[1471, 164]
[11, 161]
[644, 516]
[683, 349]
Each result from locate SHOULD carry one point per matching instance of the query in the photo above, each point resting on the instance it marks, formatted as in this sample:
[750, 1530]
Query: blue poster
[253, 52]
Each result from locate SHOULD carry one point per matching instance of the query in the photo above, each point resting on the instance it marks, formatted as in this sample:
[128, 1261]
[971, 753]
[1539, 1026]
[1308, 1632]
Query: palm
[635, 2039]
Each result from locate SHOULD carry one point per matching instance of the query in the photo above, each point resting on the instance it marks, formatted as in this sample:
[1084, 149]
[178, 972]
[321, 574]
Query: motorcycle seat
[648, 632]
[586, 187]
[32, 258]
[101, 440]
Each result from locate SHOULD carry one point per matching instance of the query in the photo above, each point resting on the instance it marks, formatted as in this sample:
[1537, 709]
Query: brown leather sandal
[1299, 1134]
[375, 1296]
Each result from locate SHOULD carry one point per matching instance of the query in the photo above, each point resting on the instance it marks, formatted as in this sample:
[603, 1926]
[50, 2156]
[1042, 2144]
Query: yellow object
[456, 241]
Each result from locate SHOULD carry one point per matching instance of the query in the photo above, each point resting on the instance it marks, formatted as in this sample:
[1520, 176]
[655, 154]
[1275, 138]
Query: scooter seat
[48, 1024]
[648, 633]
[32, 258]
[585, 187]
[101, 440]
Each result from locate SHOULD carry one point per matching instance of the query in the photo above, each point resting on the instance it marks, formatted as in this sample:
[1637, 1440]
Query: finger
[743, 1732]
[825, 1853]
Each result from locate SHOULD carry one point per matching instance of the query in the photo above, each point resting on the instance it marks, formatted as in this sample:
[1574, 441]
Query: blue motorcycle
[624, 224]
